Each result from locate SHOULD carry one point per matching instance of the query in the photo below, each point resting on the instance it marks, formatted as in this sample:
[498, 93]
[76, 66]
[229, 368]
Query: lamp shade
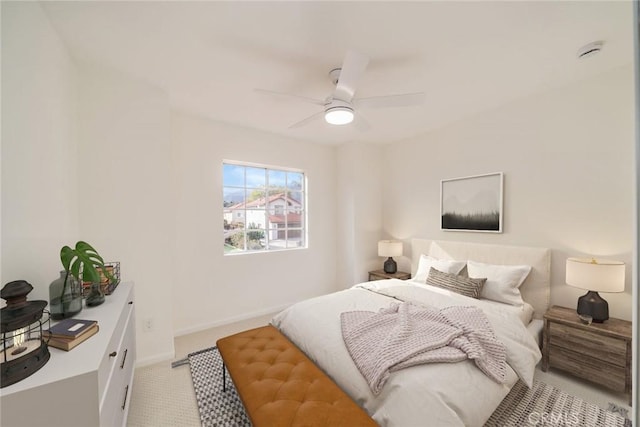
[389, 248]
[596, 275]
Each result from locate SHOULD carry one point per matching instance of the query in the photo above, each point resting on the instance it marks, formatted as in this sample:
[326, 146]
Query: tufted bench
[280, 386]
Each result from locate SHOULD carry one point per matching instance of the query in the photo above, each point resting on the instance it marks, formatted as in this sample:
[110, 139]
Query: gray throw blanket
[406, 334]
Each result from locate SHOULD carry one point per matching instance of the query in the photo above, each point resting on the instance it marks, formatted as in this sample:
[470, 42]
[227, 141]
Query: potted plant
[80, 264]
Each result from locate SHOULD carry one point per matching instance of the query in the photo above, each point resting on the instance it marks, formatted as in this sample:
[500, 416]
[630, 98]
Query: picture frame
[472, 203]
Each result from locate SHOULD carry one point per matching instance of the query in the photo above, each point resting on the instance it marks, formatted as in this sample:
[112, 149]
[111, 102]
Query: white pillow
[503, 281]
[444, 265]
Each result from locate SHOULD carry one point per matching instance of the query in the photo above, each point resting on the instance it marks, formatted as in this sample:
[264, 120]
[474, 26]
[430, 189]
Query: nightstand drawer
[600, 352]
[592, 345]
[582, 366]
[381, 275]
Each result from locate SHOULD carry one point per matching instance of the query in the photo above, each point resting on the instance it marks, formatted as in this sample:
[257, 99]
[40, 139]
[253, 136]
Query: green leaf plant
[83, 263]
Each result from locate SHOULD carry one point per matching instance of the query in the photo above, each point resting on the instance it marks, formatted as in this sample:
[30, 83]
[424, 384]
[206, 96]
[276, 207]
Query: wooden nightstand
[600, 352]
[381, 275]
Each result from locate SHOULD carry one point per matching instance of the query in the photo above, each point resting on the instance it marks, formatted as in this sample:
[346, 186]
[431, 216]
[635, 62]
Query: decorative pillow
[462, 285]
[503, 281]
[444, 265]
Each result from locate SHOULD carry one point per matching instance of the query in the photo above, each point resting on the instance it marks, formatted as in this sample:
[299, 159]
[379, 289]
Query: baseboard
[229, 320]
[162, 357]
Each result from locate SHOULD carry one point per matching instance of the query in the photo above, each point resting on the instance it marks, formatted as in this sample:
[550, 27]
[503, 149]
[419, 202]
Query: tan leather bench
[280, 386]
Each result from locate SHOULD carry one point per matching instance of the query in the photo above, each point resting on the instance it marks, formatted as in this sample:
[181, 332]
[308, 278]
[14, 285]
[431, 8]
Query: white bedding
[451, 394]
[524, 312]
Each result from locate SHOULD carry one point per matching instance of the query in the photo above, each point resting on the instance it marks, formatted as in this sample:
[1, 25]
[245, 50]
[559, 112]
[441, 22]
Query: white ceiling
[466, 56]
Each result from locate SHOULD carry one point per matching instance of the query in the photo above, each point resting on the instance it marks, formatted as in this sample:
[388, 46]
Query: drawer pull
[130, 302]
[124, 358]
[113, 354]
[124, 402]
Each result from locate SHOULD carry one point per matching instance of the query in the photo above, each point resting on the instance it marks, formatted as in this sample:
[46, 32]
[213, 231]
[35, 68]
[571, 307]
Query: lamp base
[18, 369]
[593, 305]
[390, 266]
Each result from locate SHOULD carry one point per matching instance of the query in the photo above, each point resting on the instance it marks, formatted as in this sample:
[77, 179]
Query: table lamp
[390, 248]
[595, 275]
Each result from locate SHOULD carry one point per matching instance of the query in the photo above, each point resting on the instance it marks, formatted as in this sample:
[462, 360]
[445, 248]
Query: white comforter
[441, 394]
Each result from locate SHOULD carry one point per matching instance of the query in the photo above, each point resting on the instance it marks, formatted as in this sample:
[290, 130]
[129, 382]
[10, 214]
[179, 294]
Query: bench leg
[224, 378]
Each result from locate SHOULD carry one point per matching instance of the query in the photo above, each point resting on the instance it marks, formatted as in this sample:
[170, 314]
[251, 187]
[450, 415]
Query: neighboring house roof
[262, 201]
[291, 218]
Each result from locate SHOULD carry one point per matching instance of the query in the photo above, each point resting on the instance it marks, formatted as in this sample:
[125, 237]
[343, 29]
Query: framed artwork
[472, 203]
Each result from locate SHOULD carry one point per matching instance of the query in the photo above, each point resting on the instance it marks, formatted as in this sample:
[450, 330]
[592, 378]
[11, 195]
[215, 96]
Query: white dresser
[87, 386]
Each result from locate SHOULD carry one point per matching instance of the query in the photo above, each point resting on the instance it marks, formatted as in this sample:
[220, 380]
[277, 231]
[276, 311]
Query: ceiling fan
[341, 106]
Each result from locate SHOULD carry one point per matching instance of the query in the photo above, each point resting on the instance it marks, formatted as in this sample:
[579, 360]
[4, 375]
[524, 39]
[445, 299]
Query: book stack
[68, 333]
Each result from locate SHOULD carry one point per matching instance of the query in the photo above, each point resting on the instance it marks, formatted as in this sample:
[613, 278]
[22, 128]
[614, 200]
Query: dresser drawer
[118, 392]
[110, 357]
[581, 365]
[591, 345]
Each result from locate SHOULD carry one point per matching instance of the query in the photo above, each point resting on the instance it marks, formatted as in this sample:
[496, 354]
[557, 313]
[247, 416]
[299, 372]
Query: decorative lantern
[23, 349]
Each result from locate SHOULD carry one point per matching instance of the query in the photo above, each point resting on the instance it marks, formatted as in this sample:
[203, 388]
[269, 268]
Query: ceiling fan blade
[401, 100]
[361, 122]
[290, 96]
[308, 120]
[352, 69]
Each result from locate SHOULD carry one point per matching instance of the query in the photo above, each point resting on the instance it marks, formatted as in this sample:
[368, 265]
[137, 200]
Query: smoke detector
[590, 49]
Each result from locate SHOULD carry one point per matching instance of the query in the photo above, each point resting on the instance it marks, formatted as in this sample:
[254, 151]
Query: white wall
[211, 288]
[567, 156]
[126, 209]
[65, 122]
[360, 204]
[39, 148]
[85, 155]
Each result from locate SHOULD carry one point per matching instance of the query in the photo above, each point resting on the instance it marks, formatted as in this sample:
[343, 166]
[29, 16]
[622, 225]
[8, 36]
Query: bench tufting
[280, 386]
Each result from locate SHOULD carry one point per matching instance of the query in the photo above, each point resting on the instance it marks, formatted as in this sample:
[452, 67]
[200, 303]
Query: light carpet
[543, 405]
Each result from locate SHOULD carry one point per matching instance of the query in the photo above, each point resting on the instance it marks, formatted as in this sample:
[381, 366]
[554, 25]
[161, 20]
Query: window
[264, 208]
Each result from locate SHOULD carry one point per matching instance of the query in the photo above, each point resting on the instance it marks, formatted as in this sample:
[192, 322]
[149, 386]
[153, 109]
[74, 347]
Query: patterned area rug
[217, 408]
[543, 405]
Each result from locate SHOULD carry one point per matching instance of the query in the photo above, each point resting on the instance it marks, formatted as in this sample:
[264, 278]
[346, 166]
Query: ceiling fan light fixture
[340, 115]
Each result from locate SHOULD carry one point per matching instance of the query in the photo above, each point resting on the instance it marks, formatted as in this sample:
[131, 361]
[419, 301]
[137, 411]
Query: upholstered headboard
[535, 289]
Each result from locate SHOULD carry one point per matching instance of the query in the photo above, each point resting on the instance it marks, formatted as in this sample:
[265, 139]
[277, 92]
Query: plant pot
[65, 296]
[96, 296]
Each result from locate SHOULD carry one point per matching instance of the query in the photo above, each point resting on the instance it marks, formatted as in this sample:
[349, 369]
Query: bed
[452, 394]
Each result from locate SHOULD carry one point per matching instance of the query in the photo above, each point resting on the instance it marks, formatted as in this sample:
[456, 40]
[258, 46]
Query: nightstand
[381, 275]
[599, 352]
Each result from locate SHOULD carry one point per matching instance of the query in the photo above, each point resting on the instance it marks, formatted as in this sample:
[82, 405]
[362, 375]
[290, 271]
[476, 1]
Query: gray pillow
[462, 285]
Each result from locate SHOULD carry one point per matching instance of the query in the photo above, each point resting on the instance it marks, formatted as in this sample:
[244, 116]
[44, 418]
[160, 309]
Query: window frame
[268, 229]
